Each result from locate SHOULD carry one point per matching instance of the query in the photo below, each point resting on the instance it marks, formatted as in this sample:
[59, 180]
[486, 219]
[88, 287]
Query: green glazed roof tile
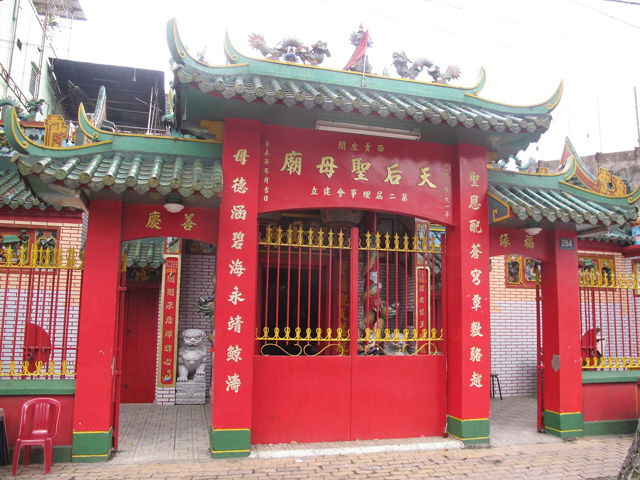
[148, 251]
[121, 162]
[618, 236]
[313, 87]
[122, 171]
[292, 92]
[14, 192]
[535, 204]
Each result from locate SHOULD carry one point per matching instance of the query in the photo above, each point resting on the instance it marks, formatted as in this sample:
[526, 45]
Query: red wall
[309, 399]
[13, 406]
[305, 399]
[609, 401]
[399, 397]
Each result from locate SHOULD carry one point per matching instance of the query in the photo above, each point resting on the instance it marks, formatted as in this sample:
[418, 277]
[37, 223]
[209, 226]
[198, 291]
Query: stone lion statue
[192, 355]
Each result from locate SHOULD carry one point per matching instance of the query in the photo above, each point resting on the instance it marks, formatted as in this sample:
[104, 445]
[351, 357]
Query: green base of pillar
[564, 425]
[91, 447]
[229, 443]
[469, 432]
[610, 427]
[61, 454]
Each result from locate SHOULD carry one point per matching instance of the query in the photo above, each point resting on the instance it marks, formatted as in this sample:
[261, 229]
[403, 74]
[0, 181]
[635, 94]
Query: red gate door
[140, 344]
[540, 365]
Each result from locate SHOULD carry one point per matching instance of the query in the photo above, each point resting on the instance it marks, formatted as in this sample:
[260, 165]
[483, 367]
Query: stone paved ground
[166, 442]
[162, 432]
[589, 458]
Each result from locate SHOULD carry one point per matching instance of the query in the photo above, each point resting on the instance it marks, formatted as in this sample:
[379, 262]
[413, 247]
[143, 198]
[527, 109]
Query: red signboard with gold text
[169, 325]
[336, 170]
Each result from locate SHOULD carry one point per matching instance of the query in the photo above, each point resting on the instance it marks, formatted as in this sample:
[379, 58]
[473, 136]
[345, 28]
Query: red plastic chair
[38, 426]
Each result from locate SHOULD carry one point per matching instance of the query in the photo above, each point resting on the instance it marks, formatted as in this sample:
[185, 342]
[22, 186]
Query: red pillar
[237, 273]
[562, 377]
[94, 402]
[467, 333]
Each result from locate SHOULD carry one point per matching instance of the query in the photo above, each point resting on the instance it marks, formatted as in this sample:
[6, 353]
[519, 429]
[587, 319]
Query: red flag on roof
[360, 51]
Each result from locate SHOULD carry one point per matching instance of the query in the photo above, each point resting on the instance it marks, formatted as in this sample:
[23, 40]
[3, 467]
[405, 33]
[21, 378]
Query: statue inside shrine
[377, 313]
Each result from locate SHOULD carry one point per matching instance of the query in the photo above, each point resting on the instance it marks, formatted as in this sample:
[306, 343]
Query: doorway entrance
[139, 344]
[350, 338]
[516, 346]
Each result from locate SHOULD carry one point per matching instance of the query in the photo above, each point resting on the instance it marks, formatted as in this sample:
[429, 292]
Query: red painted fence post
[562, 379]
[468, 307]
[236, 280]
[94, 400]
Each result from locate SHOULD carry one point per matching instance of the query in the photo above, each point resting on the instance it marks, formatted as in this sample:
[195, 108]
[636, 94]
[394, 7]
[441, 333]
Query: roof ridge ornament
[359, 61]
[401, 62]
[291, 49]
[34, 107]
[603, 182]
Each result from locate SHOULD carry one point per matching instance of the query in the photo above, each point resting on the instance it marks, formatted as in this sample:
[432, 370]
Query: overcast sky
[527, 48]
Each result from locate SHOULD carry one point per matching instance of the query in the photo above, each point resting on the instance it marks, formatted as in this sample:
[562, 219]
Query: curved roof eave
[558, 181]
[104, 141]
[243, 65]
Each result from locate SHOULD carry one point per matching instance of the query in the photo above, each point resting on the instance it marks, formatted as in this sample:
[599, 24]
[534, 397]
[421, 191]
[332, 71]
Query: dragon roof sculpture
[291, 49]
[407, 68]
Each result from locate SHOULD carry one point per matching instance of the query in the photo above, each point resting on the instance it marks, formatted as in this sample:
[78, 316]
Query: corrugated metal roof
[70, 9]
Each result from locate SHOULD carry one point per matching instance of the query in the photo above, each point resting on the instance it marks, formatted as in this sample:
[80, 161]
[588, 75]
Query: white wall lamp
[173, 203]
[401, 133]
[532, 228]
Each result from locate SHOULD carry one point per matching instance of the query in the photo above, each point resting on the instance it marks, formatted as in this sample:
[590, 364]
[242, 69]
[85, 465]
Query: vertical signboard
[169, 322]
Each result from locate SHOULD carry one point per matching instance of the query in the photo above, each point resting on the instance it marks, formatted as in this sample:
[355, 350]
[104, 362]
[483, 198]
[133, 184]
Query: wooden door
[140, 344]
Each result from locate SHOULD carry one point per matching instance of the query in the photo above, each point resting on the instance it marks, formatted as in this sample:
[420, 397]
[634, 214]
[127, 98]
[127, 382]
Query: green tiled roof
[121, 162]
[14, 192]
[531, 203]
[121, 171]
[364, 101]
[517, 199]
[148, 251]
[339, 95]
[618, 236]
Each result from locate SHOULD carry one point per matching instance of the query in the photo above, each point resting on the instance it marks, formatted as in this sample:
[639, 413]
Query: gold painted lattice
[610, 363]
[599, 280]
[304, 238]
[327, 340]
[56, 259]
[41, 369]
[407, 342]
[388, 243]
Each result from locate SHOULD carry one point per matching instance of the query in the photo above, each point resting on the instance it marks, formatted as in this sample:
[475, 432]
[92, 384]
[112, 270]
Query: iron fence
[39, 309]
[609, 322]
[306, 278]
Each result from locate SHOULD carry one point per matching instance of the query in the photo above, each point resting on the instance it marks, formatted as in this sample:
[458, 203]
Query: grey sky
[527, 48]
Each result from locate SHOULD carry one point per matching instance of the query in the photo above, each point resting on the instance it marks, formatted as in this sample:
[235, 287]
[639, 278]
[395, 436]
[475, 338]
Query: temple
[346, 242]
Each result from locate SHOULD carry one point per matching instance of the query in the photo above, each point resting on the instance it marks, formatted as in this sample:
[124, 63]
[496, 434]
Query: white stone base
[192, 392]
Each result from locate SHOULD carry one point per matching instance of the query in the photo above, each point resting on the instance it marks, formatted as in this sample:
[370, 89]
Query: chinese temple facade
[332, 231]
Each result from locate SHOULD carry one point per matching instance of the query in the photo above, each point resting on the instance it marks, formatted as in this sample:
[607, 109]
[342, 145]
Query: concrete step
[293, 450]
